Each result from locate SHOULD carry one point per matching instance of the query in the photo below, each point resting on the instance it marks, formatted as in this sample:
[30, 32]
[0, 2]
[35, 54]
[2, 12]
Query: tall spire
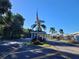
[37, 16]
[38, 22]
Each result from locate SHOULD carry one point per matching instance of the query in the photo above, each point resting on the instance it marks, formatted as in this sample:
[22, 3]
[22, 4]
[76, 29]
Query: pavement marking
[73, 50]
[44, 56]
[20, 52]
[57, 49]
[35, 50]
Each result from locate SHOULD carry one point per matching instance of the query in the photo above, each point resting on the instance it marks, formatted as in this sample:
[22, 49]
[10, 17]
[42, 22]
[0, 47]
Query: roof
[39, 32]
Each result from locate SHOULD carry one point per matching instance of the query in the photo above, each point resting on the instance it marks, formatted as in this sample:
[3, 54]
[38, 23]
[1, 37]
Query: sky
[61, 14]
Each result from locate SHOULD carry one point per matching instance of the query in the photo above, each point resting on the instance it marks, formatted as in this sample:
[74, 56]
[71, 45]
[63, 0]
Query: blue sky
[56, 13]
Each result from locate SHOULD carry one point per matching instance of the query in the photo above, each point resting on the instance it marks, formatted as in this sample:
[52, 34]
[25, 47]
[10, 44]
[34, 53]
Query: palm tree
[61, 31]
[52, 30]
[38, 24]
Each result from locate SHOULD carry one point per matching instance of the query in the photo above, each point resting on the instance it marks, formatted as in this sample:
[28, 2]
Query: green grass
[44, 44]
[66, 41]
[27, 43]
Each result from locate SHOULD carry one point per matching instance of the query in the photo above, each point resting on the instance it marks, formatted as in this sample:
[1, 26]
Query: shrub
[38, 40]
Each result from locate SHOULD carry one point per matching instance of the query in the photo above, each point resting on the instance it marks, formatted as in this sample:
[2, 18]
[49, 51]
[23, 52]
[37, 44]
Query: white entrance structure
[36, 34]
[39, 31]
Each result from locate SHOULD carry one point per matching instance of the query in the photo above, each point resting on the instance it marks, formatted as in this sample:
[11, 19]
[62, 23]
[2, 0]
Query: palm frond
[33, 26]
[52, 29]
[43, 26]
[61, 31]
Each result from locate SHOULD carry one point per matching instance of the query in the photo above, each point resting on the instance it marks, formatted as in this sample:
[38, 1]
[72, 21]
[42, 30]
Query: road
[55, 50]
[64, 47]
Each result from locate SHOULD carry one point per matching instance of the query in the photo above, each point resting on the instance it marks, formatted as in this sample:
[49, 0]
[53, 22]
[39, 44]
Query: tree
[7, 20]
[38, 24]
[61, 31]
[17, 26]
[5, 5]
[27, 32]
[11, 25]
[52, 30]
[1, 25]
